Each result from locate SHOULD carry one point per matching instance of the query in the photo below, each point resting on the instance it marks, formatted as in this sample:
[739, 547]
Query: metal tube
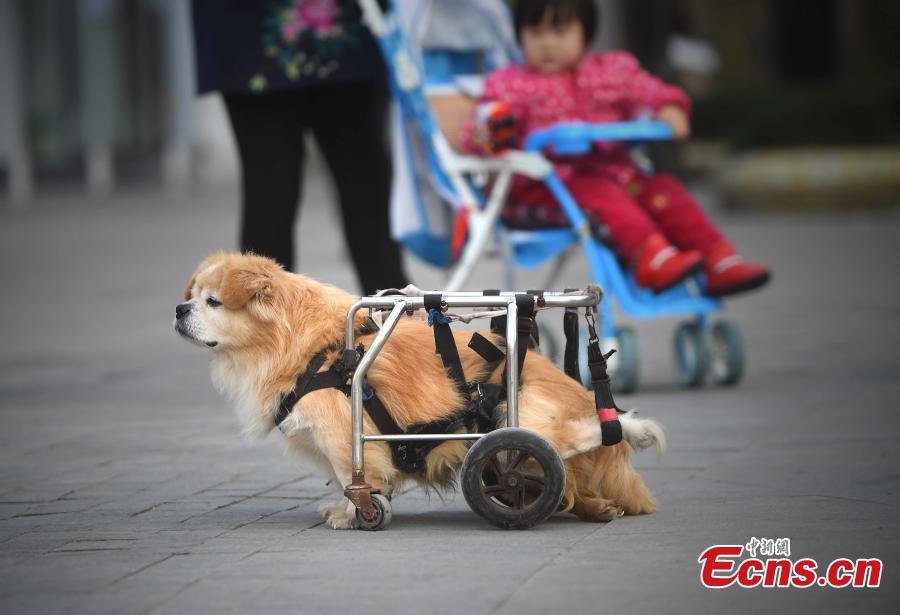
[473, 300]
[351, 321]
[422, 436]
[356, 406]
[481, 227]
[512, 364]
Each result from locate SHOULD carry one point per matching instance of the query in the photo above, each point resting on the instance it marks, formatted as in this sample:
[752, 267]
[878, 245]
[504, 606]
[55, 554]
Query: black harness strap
[498, 323]
[336, 376]
[379, 414]
[478, 416]
[486, 350]
[570, 355]
[444, 344]
[525, 305]
[300, 389]
[607, 411]
[483, 407]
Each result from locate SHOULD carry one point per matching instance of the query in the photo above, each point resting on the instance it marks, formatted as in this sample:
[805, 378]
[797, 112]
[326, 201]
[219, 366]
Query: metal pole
[422, 436]
[512, 364]
[349, 333]
[356, 392]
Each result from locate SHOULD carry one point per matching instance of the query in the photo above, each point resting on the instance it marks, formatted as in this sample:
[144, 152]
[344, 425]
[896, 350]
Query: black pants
[348, 122]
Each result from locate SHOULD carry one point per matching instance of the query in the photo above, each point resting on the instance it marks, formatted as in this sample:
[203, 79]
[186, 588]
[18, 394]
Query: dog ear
[212, 259]
[241, 283]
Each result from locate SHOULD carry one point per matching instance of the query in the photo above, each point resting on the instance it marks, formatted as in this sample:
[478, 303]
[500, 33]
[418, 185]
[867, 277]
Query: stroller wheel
[380, 519]
[690, 354]
[622, 367]
[513, 478]
[625, 375]
[726, 353]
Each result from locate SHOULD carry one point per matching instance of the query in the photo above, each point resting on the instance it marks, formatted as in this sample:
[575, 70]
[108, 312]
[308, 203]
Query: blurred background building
[98, 94]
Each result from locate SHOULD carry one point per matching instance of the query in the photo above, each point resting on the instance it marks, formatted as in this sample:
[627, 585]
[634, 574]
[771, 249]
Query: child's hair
[533, 12]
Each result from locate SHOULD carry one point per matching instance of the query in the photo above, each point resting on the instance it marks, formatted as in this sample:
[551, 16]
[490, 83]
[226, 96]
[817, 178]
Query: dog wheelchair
[511, 477]
[460, 237]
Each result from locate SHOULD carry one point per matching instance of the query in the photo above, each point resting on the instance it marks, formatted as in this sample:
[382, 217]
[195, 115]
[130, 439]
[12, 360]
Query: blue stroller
[443, 190]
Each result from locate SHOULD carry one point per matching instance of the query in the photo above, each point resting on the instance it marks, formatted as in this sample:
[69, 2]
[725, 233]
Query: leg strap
[570, 356]
[444, 343]
[607, 412]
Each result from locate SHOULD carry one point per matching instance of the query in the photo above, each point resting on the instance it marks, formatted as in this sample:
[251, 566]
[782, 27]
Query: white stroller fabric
[421, 203]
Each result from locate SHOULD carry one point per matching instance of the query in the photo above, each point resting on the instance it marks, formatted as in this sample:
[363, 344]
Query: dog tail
[642, 434]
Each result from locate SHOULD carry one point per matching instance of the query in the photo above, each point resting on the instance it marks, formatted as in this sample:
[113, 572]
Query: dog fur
[264, 324]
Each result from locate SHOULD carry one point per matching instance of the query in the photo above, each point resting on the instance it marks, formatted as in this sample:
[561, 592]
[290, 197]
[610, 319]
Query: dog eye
[213, 302]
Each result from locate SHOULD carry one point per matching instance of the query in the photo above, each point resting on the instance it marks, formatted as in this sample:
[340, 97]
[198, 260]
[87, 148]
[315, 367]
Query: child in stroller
[652, 222]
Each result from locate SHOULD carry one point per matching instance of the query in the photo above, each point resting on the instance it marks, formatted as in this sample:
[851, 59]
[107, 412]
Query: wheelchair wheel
[513, 478]
[625, 376]
[690, 354]
[726, 353]
[380, 519]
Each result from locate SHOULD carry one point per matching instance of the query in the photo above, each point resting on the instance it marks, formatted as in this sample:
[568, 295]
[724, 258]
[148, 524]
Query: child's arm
[646, 92]
[674, 116]
[495, 123]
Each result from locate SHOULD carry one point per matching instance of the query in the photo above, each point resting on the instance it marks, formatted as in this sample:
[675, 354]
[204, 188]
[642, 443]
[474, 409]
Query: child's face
[550, 48]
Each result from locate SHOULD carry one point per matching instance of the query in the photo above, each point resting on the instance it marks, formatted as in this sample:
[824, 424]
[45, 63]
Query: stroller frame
[700, 346]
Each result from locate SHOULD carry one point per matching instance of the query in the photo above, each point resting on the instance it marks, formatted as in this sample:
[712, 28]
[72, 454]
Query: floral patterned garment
[270, 45]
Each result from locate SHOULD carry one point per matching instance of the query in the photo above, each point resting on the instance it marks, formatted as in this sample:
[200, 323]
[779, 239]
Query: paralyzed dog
[264, 325]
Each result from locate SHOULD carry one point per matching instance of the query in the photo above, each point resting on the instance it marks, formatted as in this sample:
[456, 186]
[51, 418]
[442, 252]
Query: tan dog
[265, 324]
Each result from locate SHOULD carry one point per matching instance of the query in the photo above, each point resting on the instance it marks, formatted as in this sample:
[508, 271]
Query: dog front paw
[340, 516]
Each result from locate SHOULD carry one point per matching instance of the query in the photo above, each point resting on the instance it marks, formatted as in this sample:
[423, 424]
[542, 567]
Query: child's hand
[495, 130]
[674, 116]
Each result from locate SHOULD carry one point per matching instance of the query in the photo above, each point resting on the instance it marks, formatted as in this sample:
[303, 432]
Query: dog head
[263, 323]
[236, 302]
[229, 301]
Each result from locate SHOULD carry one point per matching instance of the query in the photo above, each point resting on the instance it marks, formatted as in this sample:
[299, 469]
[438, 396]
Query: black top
[272, 45]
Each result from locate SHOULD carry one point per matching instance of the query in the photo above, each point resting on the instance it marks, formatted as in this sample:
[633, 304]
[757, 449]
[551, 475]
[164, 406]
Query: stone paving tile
[125, 486]
[220, 594]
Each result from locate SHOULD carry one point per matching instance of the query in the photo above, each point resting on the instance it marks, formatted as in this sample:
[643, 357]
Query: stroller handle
[579, 137]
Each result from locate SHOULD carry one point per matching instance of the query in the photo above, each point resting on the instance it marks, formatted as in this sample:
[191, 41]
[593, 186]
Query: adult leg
[268, 129]
[349, 121]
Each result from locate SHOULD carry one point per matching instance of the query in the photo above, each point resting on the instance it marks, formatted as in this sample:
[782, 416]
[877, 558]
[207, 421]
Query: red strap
[607, 414]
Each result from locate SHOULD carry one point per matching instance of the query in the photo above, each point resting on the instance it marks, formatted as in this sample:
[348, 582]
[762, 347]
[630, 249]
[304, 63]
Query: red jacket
[603, 87]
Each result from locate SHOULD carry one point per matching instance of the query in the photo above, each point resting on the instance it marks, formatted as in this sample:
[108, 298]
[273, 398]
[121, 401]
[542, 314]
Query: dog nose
[182, 310]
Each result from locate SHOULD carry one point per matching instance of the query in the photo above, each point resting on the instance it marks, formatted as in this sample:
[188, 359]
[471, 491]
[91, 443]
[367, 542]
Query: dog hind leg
[583, 434]
[622, 483]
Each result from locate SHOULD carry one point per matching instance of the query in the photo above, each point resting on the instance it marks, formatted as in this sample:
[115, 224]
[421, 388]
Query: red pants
[649, 204]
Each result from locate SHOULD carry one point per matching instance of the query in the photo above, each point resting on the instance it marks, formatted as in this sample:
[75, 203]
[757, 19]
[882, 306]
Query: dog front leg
[340, 515]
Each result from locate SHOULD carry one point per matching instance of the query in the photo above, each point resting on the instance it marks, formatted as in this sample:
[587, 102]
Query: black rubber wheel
[513, 478]
[382, 517]
[726, 353]
[625, 379]
[691, 356]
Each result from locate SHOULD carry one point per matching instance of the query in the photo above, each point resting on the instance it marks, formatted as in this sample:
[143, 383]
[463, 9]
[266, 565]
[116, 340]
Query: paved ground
[125, 487]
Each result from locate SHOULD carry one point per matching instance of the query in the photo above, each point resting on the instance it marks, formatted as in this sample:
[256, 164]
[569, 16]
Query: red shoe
[727, 273]
[660, 265]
